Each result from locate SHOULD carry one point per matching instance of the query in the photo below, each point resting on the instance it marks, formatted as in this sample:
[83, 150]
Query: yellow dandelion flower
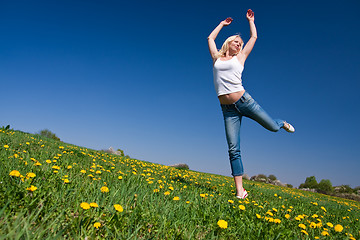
[202, 195]
[305, 232]
[69, 167]
[330, 224]
[66, 180]
[302, 226]
[37, 164]
[222, 224]
[323, 209]
[313, 225]
[6, 146]
[241, 207]
[166, 193]
[97, 225]
[277, 220]
[31, 175]
[176, 198]
[85, 205]
[48, 161]
[31, 188]
[258, 216]
[104, 189]
[287, 216]
[120, 177]
[118, 207]
[187, 202]
[325, 233]
[156, 190]
[83, 171]
[230, 201]
[15, 173]
[269, 213]
[93, 204]
[315, 216]
[338, 228]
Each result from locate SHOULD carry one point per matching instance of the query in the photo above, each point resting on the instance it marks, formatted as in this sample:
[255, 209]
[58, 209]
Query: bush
[181, 166]
[262, 176]
[325, 186]
[47, 133]
[310, 182]
[344, 189]
[121, 152]
[272, 177]
[289, 185]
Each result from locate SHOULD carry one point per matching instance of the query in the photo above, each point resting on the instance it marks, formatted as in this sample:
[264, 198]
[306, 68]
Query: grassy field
[53, 190]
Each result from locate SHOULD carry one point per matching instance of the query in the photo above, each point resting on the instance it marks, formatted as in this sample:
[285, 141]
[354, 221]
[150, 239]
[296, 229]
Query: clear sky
[137, 75]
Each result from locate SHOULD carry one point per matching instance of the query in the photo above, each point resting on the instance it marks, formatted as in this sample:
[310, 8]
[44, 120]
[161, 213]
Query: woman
[234, 100]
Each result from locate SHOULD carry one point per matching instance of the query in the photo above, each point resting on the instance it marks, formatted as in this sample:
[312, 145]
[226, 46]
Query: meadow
[54, 190]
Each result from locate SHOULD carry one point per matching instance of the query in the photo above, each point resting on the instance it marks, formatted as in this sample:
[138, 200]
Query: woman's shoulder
[241, 58]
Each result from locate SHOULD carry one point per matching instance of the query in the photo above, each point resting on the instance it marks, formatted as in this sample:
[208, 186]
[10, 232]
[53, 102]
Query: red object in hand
[229, 19]
[250, 12]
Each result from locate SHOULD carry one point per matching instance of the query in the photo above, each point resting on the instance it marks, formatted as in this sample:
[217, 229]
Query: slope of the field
[53, 190]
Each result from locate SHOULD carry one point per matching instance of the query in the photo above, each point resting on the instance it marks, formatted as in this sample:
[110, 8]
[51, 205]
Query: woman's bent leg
[251, 109]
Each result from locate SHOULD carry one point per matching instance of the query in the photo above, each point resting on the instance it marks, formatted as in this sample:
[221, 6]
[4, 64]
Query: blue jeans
[233, 113]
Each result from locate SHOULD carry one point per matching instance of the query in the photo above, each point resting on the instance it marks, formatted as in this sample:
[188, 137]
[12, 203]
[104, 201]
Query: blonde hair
[225, 46]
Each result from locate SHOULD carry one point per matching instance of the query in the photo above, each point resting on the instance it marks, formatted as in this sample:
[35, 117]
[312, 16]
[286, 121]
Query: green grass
[158, 202]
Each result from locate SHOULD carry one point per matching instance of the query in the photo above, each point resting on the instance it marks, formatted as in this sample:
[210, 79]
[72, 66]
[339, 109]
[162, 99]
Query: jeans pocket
[246, 98]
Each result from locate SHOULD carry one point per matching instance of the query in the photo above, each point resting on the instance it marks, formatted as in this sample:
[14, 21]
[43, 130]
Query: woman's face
[234, 46]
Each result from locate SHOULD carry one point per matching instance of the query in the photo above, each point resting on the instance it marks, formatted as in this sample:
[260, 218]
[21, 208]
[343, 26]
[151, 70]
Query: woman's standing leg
[232, 119]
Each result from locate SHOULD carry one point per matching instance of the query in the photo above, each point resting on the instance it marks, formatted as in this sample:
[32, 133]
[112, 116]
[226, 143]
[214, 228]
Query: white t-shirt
[227, 76]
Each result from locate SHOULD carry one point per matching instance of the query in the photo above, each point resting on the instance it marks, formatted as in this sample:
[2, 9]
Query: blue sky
[138, 76]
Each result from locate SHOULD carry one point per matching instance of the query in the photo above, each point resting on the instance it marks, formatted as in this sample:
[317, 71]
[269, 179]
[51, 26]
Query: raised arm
[253, 34]
[211, 38]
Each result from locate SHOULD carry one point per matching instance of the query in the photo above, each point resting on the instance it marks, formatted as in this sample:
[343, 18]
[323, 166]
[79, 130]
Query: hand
[227, 21]
[250, 15]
